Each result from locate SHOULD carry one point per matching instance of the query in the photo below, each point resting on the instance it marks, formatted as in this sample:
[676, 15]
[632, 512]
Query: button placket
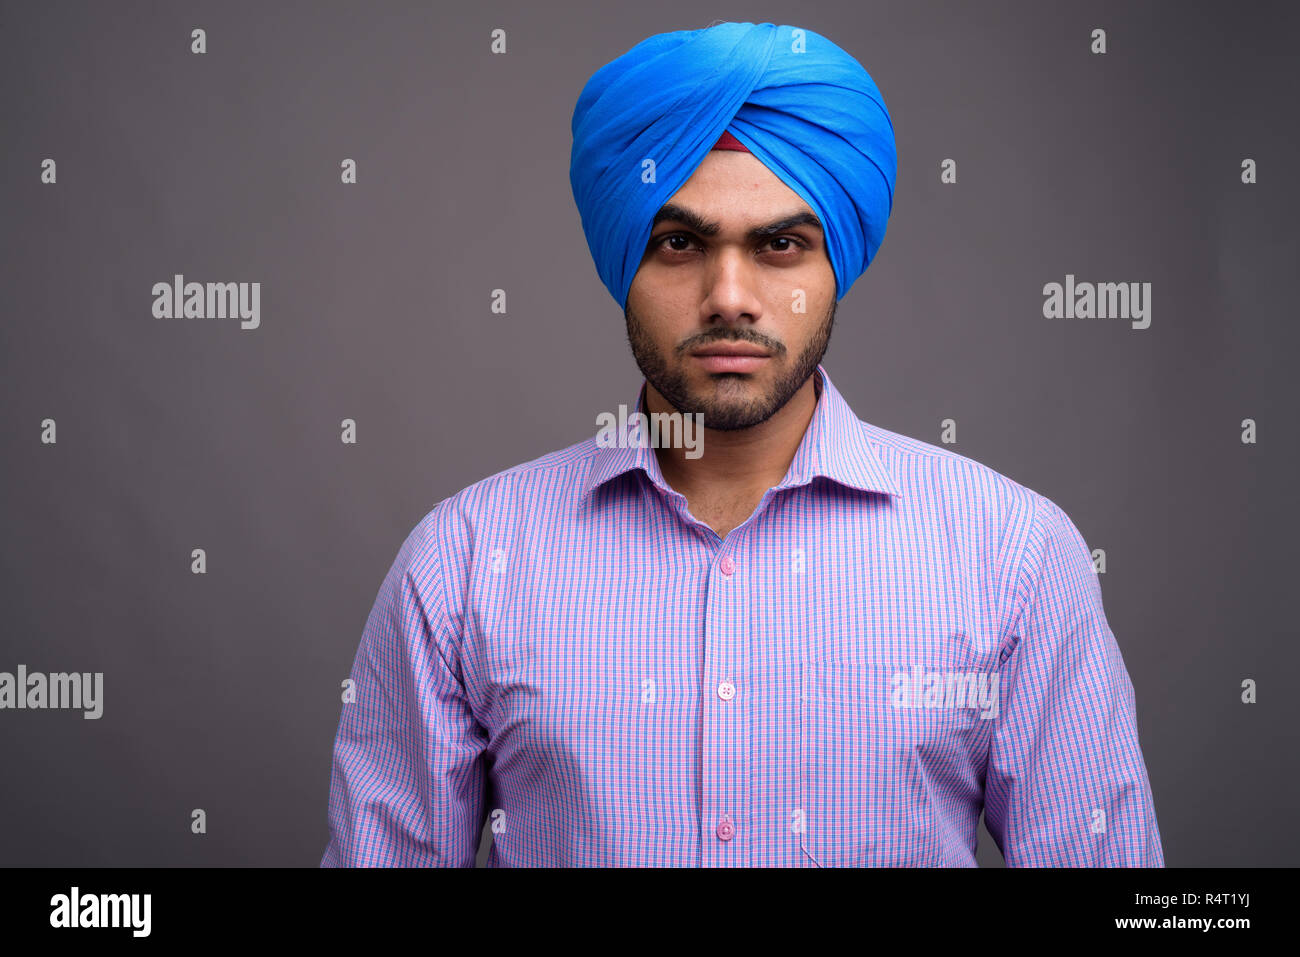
[728, 725]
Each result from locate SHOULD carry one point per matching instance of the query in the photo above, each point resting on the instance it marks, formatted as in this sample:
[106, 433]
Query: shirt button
[727, 565]
[725, 830]
[726, 691]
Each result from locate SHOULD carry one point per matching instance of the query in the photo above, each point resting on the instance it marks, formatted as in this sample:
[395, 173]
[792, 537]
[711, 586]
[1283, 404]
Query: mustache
[731, 335]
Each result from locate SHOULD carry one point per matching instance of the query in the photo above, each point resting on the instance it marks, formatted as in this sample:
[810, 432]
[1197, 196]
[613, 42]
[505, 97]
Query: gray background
[222, 690]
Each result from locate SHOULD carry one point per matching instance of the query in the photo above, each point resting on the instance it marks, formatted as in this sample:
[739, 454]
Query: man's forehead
[734, 187]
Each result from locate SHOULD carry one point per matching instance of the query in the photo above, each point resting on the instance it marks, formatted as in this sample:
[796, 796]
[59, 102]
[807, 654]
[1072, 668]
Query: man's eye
[664, 242]
[683, 243]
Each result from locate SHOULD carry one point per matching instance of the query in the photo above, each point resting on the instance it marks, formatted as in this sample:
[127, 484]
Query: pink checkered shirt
[897, 638]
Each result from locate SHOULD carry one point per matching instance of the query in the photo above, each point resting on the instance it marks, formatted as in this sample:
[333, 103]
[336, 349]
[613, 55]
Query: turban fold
[803, 107]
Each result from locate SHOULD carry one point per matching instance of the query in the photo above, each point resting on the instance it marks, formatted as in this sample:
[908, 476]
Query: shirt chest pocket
[876, 757]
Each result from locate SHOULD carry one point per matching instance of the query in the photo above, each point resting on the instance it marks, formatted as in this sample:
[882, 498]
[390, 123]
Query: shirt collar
[835, 445]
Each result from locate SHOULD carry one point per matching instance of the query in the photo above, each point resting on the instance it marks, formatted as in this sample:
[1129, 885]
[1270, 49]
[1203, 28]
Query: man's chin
[727, 415]
[748, 384]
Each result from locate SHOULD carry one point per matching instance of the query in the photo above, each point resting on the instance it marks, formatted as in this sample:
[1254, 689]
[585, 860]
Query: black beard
[726, 417]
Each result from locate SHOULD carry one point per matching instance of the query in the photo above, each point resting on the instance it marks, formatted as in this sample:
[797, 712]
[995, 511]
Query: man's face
[707, 283]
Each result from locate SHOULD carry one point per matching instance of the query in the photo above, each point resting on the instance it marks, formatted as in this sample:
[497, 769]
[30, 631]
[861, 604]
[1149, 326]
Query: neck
[749, 460]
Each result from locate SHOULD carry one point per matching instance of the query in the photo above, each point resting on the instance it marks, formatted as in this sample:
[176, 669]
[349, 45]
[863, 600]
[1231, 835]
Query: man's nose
[732, 288]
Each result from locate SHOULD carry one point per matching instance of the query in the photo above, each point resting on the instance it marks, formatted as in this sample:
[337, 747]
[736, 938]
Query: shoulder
[932, 476]
[538, 490]
[1026, 526]
[1025, 535]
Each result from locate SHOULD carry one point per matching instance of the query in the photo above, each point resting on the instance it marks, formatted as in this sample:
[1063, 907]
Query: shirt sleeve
[1066, 783]
[407, 776]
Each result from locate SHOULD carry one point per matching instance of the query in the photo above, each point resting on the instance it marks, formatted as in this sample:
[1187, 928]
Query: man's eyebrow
[703, 227]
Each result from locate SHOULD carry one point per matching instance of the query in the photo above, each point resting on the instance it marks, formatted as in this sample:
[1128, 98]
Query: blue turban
[806, 109]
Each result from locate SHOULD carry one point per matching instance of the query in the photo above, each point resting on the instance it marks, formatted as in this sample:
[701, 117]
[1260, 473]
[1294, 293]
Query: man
[816, 643]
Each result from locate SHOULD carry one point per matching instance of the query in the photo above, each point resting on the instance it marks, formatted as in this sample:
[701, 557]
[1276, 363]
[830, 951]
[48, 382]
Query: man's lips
[730, 358]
